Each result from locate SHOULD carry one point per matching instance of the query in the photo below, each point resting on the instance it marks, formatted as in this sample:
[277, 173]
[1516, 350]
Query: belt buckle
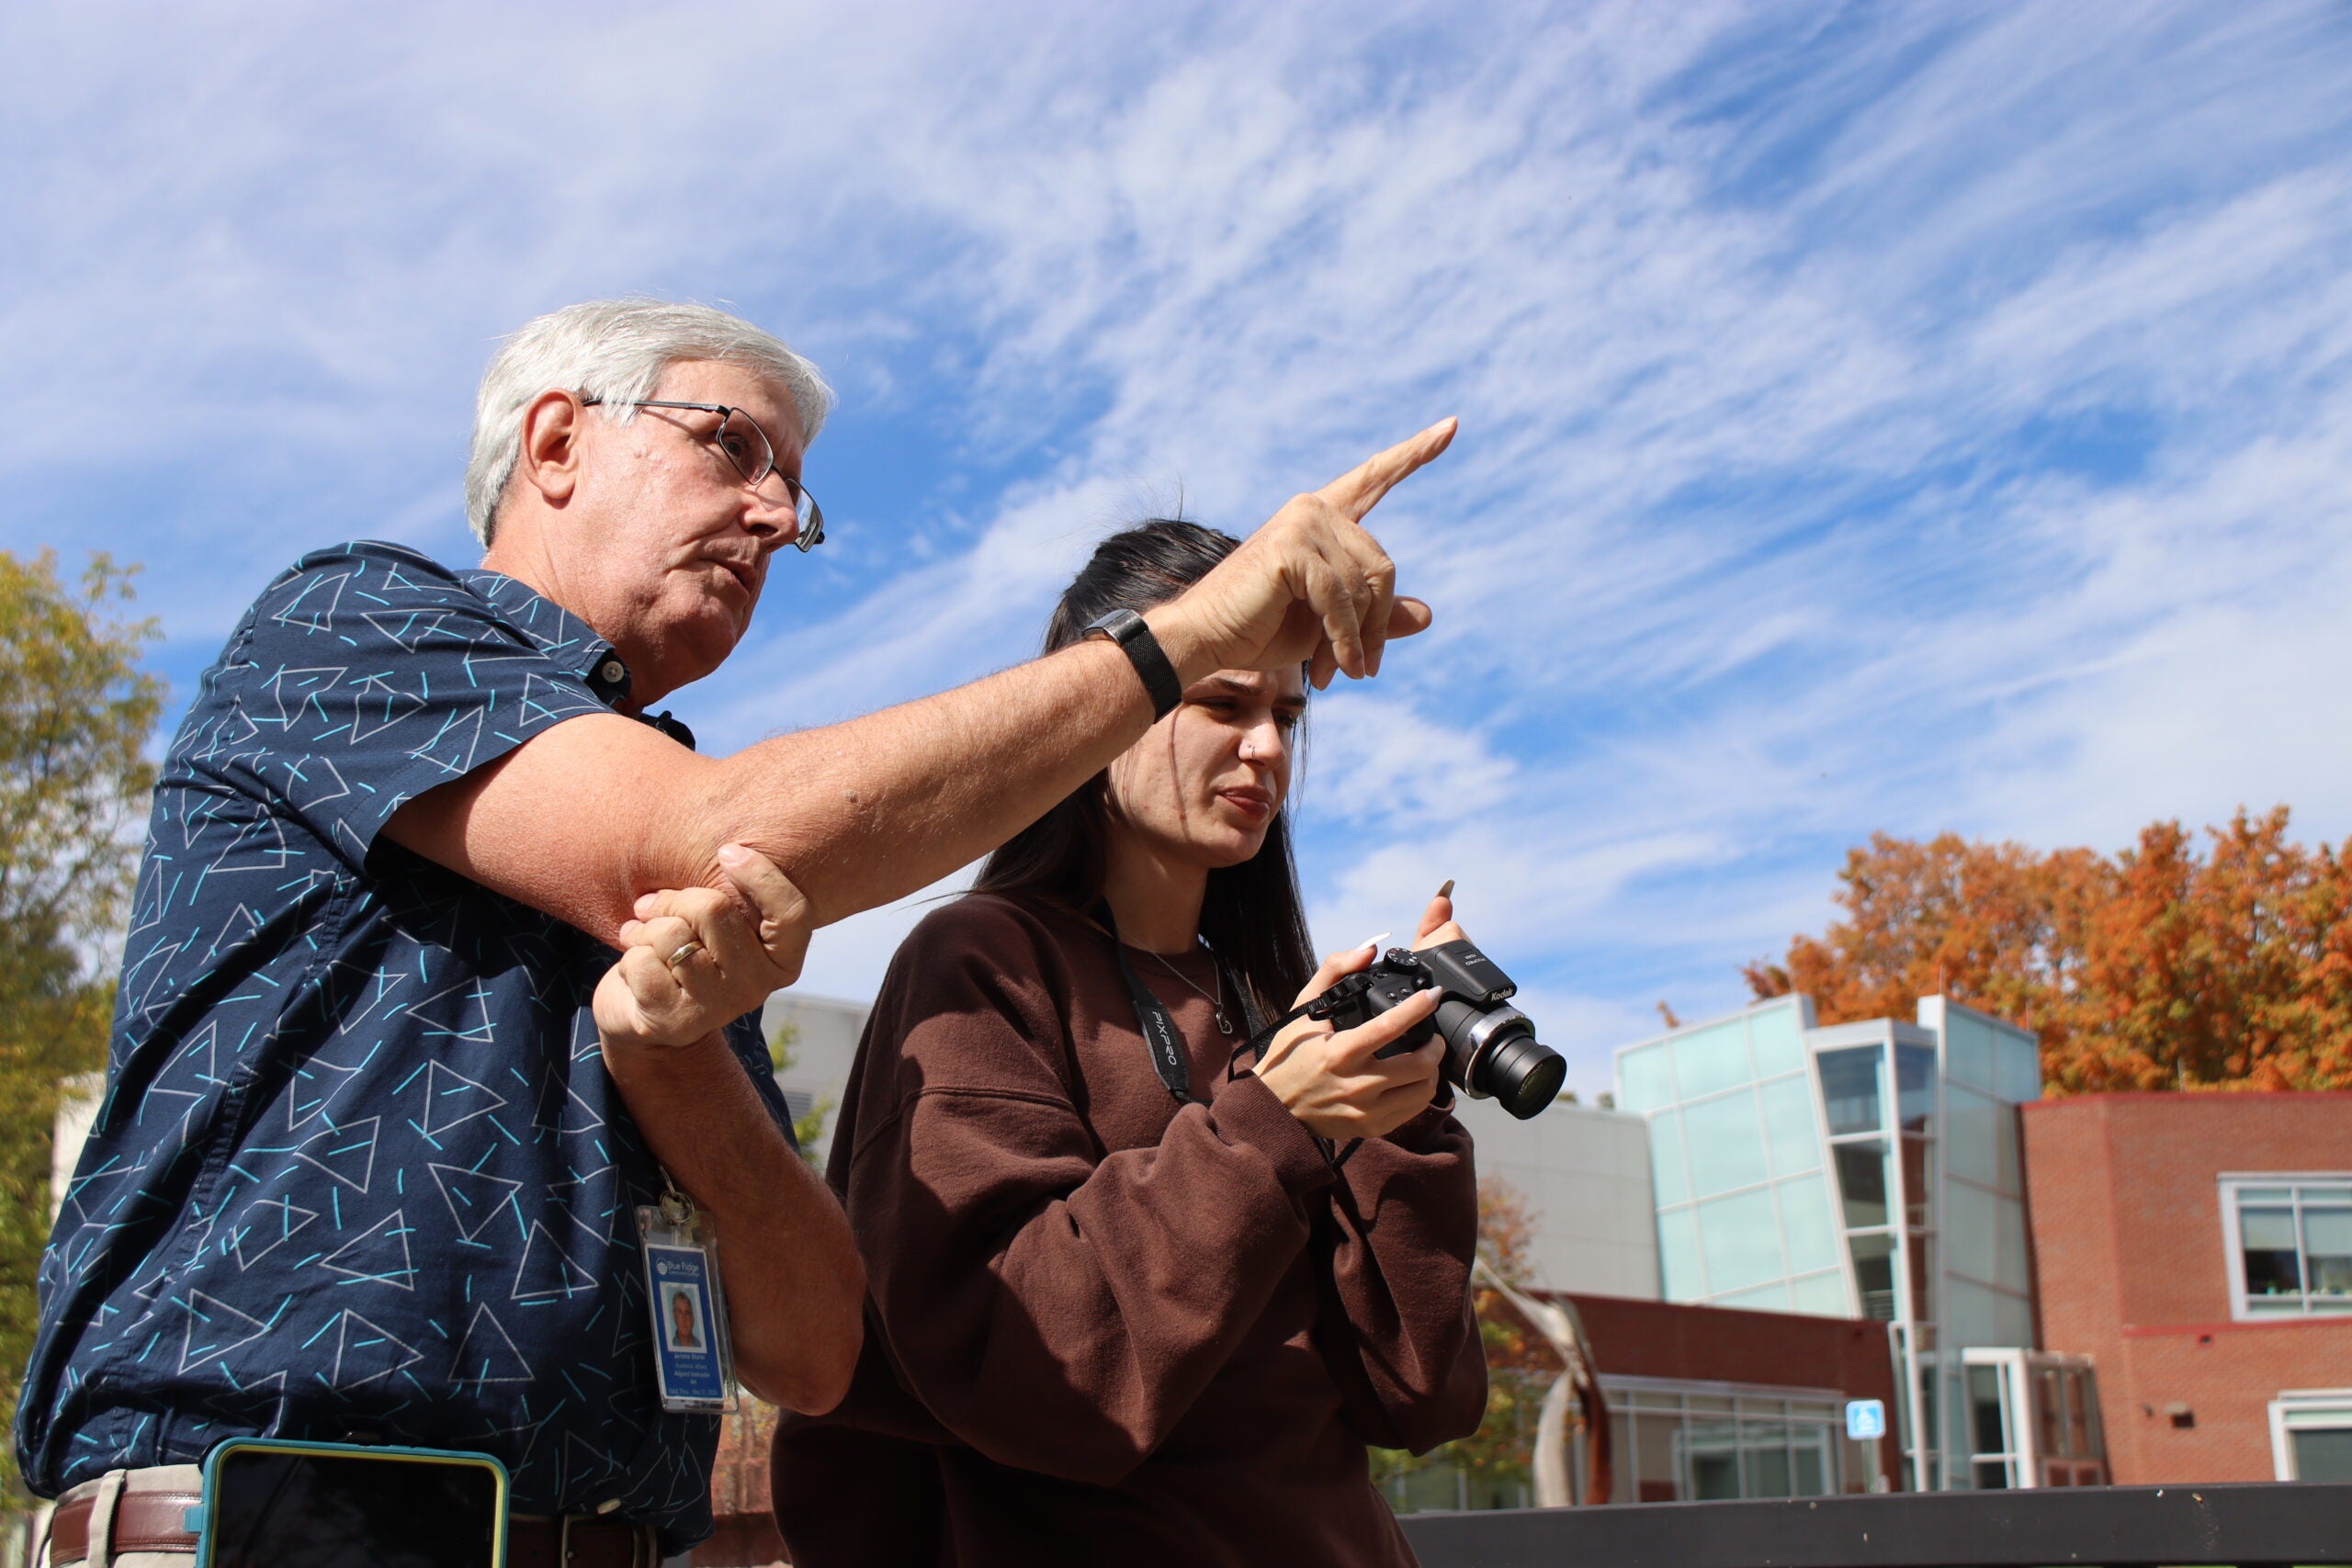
[637, 1535]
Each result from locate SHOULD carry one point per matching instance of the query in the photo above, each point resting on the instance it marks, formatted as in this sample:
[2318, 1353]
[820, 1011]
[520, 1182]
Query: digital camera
[1491, 1051]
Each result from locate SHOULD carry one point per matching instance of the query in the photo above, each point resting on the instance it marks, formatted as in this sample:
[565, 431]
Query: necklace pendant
[1224, 1026]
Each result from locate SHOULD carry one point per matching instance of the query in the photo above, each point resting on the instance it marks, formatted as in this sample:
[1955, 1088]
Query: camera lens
[1524, 1075]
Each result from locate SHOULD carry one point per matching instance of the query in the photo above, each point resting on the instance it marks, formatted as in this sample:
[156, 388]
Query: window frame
[2303, 1402]
[2229, 1184]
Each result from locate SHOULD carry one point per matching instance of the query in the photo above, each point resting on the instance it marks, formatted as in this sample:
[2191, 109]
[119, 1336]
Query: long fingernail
[1372, 941]
[1446, 891]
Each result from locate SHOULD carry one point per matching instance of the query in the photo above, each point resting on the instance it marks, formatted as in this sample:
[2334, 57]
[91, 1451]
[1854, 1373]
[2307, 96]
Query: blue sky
[1874, 416]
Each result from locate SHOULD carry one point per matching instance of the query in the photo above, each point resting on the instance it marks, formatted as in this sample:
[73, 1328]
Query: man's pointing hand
[1311, 586]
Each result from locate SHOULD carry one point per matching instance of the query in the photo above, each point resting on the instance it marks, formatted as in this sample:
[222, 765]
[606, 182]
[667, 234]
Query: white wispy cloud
[1898, 417]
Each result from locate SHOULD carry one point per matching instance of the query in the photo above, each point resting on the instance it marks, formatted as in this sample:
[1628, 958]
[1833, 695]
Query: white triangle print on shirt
[487, 1355]
[214, 1328]
[545, 1271]
[346, 1153]
[268, 1225]
[370, 1256]
[364, 1351]
[473, 1197]
[451, 1099]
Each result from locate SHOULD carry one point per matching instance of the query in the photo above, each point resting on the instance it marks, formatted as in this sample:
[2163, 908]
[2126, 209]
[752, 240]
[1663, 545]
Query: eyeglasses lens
[746, 445]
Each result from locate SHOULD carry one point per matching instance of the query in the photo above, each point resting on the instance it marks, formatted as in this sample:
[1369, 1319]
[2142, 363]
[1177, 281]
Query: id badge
[693, 1361]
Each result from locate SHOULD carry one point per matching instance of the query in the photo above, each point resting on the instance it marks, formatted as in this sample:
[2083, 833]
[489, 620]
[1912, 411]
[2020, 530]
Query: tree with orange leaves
[2155, 968]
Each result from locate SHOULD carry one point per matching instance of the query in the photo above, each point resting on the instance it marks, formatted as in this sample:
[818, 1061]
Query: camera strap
[1161, 1039]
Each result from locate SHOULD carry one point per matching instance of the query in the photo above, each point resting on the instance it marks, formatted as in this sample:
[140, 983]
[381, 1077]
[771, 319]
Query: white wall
[1584, 1177]
[823, 1049]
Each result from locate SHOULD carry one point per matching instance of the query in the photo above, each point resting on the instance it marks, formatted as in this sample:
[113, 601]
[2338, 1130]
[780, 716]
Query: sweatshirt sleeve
[1399, 1332]
[1058, 1308]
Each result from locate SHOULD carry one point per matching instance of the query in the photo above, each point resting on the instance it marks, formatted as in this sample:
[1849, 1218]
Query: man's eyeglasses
[743, 444]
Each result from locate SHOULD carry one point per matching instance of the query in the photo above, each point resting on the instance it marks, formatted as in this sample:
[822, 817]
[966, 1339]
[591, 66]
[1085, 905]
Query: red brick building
[2199, 1248]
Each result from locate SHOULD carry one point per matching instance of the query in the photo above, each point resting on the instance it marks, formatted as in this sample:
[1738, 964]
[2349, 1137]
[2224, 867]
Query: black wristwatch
[1128, 630]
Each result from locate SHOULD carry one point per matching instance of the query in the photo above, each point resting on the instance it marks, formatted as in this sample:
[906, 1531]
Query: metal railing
[2249, 1526]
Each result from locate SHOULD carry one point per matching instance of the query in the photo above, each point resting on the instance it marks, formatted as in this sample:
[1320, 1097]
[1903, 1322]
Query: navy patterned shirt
[360, 1171]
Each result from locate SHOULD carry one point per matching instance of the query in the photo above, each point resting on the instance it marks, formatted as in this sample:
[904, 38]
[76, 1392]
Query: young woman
[1125, 1310]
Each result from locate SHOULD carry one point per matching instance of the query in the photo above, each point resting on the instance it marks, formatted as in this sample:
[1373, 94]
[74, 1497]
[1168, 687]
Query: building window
[2290, 1242]
[2311, 1434]
[1674, 1441]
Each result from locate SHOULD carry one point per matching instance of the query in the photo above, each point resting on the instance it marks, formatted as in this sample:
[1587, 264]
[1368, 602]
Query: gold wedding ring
[684, 953]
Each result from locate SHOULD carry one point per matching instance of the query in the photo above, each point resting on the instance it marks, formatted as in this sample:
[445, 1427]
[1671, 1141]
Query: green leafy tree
[76, 713]
[806, 1130]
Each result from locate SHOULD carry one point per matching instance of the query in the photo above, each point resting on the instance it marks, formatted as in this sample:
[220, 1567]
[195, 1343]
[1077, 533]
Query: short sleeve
[368, 674]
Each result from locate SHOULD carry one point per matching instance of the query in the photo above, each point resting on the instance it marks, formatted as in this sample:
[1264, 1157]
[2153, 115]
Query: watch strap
[1133, 635]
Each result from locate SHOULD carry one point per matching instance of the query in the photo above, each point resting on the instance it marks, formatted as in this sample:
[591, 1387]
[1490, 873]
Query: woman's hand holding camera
[1336, 1082]
[697, 958]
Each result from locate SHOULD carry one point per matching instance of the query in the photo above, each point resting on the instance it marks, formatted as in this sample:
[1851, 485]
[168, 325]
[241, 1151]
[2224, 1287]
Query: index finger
[1359, 490]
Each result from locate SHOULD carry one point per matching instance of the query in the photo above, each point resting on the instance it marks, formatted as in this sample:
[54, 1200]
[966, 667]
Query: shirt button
[612, 672]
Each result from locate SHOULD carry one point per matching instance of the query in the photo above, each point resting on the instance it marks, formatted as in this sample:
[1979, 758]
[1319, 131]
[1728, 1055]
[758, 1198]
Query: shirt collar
[570, 641]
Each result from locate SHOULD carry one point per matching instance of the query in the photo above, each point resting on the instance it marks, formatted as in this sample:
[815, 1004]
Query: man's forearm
[583, 818]
[795, 1287]
[861, 813]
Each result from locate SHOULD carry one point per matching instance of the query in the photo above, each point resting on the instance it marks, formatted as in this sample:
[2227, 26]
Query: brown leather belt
[157, 1521]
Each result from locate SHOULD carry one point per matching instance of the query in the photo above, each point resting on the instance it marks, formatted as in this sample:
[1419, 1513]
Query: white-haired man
[364, 1172]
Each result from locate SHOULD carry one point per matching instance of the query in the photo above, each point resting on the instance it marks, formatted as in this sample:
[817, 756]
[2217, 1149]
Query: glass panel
[1862, 1182]
[2015, 1270]
[2008, 1158]
[1970, 1141]
[1707, 1060]
[2078, 1431]
[1678, 1256]
[1991, 1476]
[2327, 1252]
[1810, 1461]
[1918, 1180]
[1777, 1041]
[2016, 1068]
[2050, 1413]
[1767, 1298]
[1987, 1432]
[2267, 1238]
[1644, 1082]
[2332, 1192]
[1874, 1274]
[1921, 1255]
[1764, 1460]
[1968, 1050]
[1624, 1459]
[1659, 1443]
[1914, 1087]
[1725, 1143]
[2322, 1454]
[1807, 1223]
[2266, 1194]
[1970, 1244]
[1711, 1454]
[1849, 1088]
[1668, 1178]
[1789, 1127]
[2083, 1391]
[1823, 1295]
[1741, 1239]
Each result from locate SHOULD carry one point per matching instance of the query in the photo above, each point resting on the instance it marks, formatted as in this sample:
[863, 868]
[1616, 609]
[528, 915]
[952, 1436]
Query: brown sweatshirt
[1102, 1326]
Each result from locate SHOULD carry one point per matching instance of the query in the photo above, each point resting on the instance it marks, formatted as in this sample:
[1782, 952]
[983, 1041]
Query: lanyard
[1161, 1039]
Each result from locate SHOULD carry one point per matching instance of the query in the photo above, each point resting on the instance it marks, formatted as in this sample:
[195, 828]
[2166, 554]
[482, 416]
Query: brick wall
[2123, 1208]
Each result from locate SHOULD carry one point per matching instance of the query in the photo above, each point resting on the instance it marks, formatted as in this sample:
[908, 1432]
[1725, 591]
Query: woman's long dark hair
[1252, 915]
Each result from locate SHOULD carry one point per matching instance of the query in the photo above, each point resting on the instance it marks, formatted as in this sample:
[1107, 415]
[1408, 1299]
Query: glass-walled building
[1862, 1171]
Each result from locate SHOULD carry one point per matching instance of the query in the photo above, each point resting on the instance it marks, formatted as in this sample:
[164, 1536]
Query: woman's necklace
[1217, 1003]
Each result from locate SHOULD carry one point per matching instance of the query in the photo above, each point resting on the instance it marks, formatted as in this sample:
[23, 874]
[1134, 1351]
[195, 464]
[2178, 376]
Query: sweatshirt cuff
[1247, 1112]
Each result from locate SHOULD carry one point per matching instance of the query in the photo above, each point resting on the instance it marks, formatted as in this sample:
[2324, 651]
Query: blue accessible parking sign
[1865, 1419]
